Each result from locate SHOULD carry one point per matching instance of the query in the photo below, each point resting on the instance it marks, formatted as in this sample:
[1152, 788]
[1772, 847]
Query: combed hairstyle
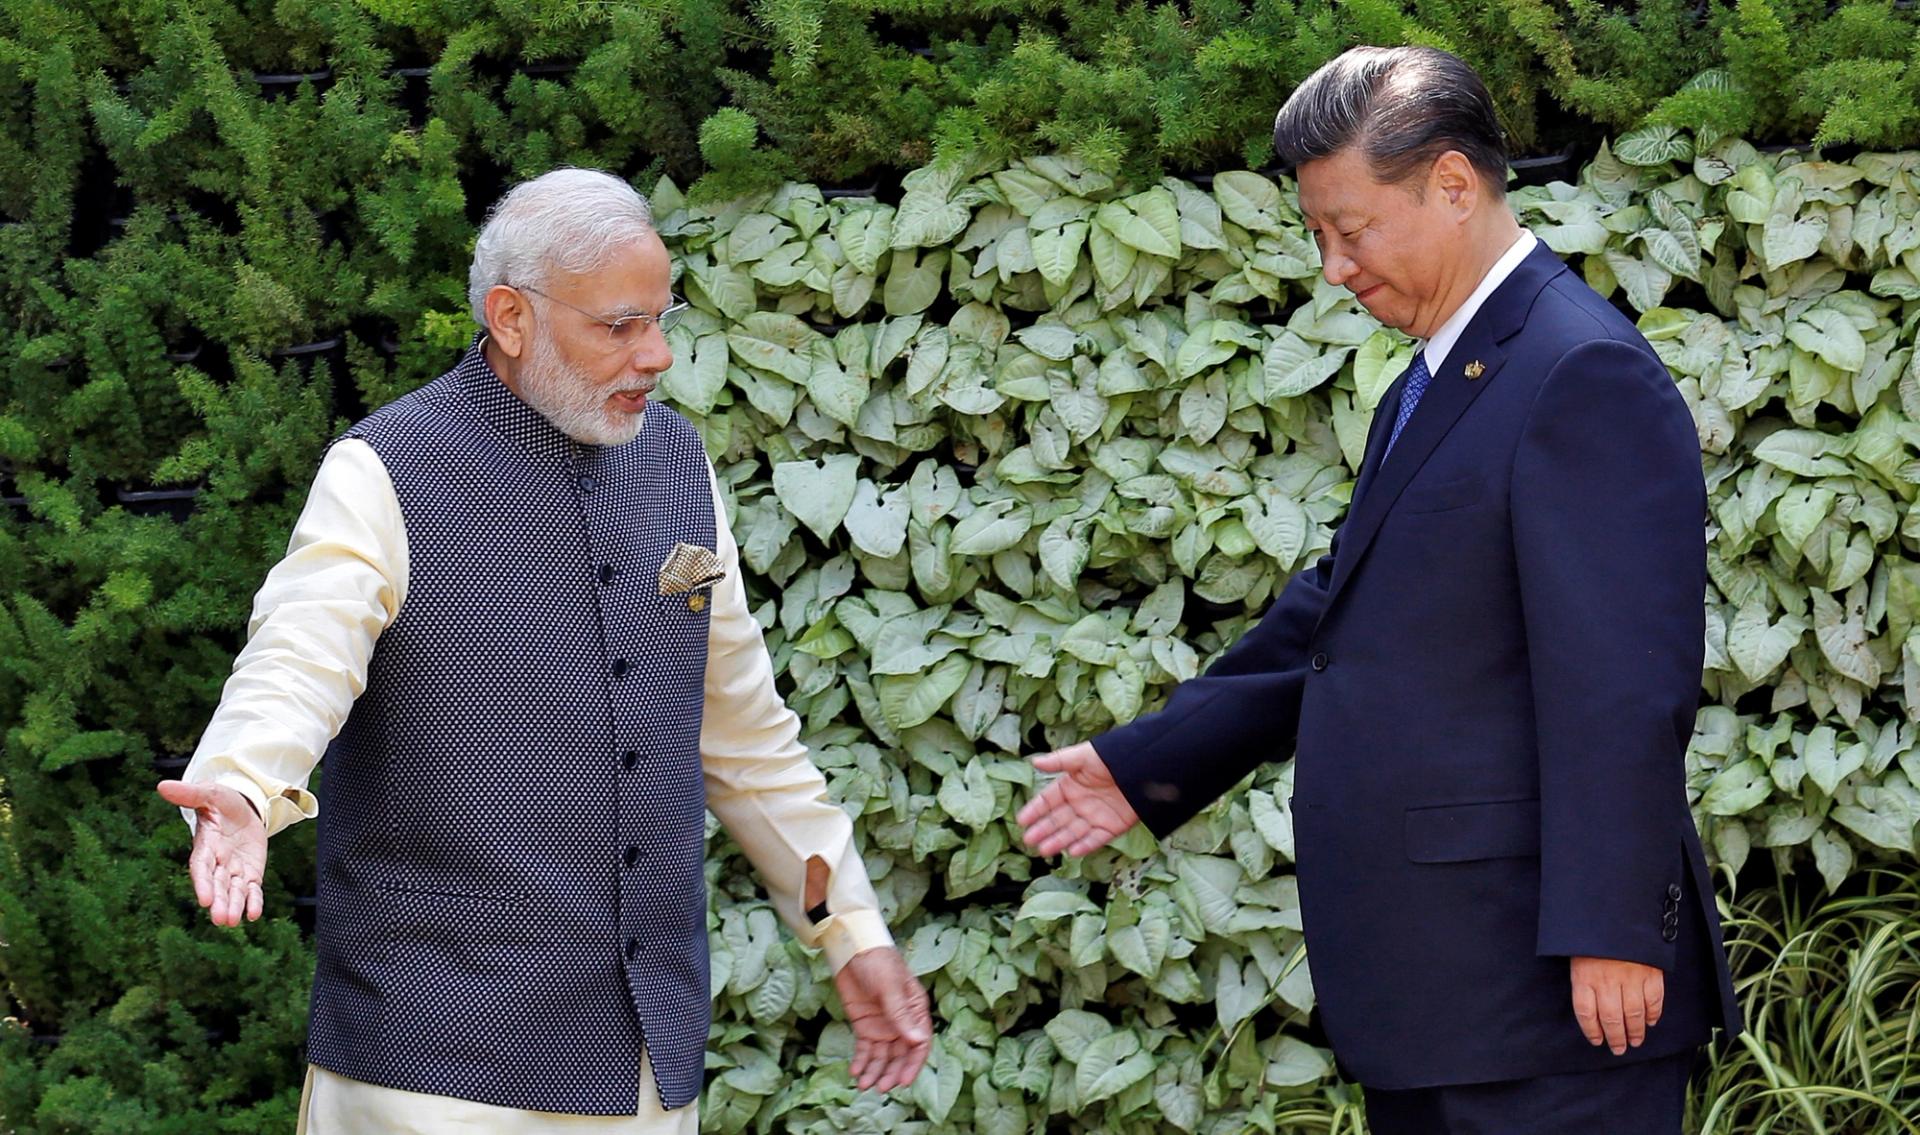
[566, 220]
[1402, 106]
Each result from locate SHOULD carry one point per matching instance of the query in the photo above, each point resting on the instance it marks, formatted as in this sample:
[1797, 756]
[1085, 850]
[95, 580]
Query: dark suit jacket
[1489, 684]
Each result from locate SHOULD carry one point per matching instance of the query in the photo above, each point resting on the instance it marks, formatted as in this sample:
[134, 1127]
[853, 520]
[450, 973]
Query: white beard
[573, 404]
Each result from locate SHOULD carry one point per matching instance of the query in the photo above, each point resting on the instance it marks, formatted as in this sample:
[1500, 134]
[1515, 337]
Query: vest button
[631, 758]
[606, 573]
[620, 667]
[588, 484]
[633, 948]
[1320, 661]
[633, 855]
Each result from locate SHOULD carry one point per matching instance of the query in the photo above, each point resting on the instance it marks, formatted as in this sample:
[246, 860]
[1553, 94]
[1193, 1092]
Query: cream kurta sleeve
[762, 785]
[314, 623]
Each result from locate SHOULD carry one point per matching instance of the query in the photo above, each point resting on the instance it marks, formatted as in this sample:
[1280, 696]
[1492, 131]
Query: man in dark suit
[1491, 678]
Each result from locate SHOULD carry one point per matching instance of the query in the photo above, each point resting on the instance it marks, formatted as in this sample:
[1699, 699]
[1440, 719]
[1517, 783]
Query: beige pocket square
[689, 567]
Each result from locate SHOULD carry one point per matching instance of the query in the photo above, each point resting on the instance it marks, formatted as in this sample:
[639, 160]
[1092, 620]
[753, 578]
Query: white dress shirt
[1441, 342]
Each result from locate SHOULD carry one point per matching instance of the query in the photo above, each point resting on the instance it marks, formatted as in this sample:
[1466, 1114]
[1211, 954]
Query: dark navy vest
[512, 833]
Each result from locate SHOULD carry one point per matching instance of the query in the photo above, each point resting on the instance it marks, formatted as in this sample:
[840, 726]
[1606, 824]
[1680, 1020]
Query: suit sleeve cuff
[853, 932]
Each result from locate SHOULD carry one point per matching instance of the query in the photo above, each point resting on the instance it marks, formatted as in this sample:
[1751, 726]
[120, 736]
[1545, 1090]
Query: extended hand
[1616, 1002]
[229, 849]
[1080, 812]
[892, 1031]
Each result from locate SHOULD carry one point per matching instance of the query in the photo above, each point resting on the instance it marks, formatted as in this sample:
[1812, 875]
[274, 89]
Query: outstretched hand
[1082, 811]
[229, 849]
[892, 1030]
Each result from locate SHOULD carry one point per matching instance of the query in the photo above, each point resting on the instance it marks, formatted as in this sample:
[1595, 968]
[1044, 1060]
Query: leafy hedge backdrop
[1022, 419]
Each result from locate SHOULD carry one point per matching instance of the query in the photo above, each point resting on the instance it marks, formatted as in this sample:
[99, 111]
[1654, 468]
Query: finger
[1633, 1004]
[1042, 834]
[862, 1055]
[237, 898]
[1613, 1020]
[218, 911]
[1064, 835]
[1039, 819]
[256, 901]
[899, 1060]
[1094, 840]
[1048, 802]
[1654, 989]
[878, 1055]
[184, 794]
[908, 1017]
[1052, 762]
[1586, 1011]
[200, 864]
[912, 1061]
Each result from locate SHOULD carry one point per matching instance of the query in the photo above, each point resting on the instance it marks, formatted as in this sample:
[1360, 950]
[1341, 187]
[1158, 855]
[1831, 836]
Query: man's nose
[652, 354]
[1337, 267]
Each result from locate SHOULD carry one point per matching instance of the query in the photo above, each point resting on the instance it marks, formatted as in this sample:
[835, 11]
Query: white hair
[566, 220]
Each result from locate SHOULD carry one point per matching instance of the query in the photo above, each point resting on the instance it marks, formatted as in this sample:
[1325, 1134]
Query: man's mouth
[632, 399]
[1366, 293]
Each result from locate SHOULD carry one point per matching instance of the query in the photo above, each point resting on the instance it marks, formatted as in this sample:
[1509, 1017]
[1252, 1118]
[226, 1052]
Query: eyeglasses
[624, 332]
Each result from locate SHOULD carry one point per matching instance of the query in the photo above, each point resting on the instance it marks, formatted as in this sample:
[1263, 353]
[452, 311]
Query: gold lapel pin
[696, 602]
[1475, 369]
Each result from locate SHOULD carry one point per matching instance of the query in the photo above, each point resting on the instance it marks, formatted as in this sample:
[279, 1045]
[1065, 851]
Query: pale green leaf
[818, 493]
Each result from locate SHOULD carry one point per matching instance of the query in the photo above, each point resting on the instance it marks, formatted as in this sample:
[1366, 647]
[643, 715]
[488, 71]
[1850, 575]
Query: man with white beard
[511, 617]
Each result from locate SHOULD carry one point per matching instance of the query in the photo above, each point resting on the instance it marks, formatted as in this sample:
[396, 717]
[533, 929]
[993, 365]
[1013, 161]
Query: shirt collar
[1441, 342]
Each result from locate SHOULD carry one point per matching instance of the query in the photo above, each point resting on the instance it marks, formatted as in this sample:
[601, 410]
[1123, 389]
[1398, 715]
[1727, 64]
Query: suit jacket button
[1669, 933]
[1673, 891]
[1320, 661]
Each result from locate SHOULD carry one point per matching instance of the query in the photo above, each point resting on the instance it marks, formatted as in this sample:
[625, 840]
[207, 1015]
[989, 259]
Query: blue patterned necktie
[1417, 380]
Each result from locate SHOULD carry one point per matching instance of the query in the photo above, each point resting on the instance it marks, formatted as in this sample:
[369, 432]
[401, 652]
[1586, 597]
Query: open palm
[1082, 811]
[229, 849]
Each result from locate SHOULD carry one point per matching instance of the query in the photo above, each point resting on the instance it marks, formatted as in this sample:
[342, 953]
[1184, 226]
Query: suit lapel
[1383, 477]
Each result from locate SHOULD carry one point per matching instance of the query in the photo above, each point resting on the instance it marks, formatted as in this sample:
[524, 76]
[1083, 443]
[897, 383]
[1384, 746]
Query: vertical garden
[1013, 357]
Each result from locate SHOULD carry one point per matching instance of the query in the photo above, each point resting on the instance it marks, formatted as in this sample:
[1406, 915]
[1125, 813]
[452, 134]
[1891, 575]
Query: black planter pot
[556, 70]
[333, 349]
[415, 93]
[10, 497]
[176, 504]
[1545, 168]
[1202, 612]
[101, 206]
[284, 85]
[171, 765]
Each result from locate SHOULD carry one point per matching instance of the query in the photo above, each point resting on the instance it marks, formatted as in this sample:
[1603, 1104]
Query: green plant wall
[1010, 448]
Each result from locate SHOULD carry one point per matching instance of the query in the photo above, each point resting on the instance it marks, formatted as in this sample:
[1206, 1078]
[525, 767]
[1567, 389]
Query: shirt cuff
[855, 932]
[289, 805]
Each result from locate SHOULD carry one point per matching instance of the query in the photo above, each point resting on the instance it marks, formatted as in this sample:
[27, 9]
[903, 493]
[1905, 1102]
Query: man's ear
[509, 319]
[1456, 180]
